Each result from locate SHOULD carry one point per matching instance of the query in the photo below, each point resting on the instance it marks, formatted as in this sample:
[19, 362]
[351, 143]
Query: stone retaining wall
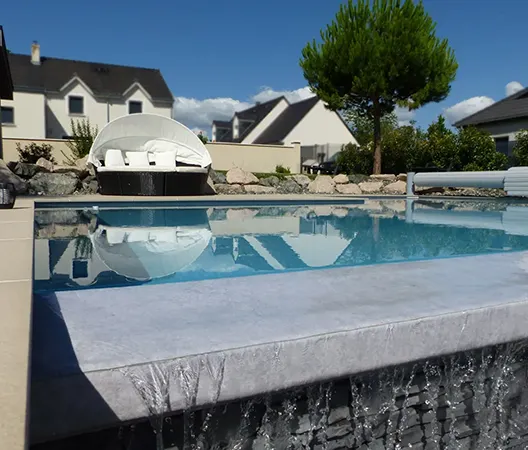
[476, 401]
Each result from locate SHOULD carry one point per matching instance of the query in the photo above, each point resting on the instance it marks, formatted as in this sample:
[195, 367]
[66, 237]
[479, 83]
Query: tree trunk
[377, 138]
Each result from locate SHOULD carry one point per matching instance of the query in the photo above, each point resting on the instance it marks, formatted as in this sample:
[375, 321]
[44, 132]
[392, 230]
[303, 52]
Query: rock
[210, 187]
[70, 169]
[256, 189]
[53, 183]
[402, 177]
[323, 184]
[25, 170]
[350, 189]
[239, 176]
[217, 178]
[289, 187]
[341, 179]
[369, 187]
[430, 190]
[45, 165]
[90, 187]
[229, 189]
[85, 167]
[271, 181]
[301, 180]
[6, 176]
[398, 187]
[357, 178]
[382, 177]
[241, 213]
[11, 165]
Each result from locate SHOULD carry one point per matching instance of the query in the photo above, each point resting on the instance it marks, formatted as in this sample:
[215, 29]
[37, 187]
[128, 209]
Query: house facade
[320, 131]
[503, 120]
[6, 82]
[50, 92]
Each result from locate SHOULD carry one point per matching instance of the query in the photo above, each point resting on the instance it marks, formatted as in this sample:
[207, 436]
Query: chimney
[35, 53]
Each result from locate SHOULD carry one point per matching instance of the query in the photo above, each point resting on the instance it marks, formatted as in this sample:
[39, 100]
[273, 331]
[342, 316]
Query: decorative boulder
[239, 176]
[256, 189]
[229, 189]
[70, 169]
[301, 180]
[271, 181]
[323, 184]
[350, 189]
[45, 165]
[25, 170]
[398, 187]
[402, 177]
[6, 176]
[383, 177]
[90, 187]
[341, 179]
[289, 187]
[370, 187]
[357, 178]
[55, 184]
[217, 178]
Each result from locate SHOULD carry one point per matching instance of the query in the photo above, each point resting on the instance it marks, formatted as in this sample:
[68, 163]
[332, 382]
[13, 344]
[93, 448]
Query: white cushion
[114, 158]
[115, 236]
[137, 159]
[165, 159]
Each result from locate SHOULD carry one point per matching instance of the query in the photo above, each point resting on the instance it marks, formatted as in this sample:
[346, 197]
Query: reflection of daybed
[147, 154]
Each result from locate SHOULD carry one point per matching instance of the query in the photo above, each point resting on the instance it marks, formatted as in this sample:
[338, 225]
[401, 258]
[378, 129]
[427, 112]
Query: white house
[321, 132]
[49, 92]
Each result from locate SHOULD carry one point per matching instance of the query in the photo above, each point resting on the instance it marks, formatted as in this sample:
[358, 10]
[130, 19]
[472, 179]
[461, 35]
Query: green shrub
[520, 149]
[83, 135]
[353, 159]
[281, 169]
[31, 153]
[477, 151]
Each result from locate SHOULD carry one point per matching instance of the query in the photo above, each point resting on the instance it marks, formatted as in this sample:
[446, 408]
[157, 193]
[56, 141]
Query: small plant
[83, 135]
[520, 148]
[31, 153]
[282, 169]
[203, 138]
[83, 247]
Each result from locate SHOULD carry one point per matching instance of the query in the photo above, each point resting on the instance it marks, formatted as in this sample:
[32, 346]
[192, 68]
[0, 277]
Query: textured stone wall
[477, 400]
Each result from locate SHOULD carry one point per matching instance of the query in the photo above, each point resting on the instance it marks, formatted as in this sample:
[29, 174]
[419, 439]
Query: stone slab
[268, 332]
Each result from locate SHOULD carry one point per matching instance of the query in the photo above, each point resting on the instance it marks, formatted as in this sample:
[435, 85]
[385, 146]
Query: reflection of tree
[399, 240]
[83, 247]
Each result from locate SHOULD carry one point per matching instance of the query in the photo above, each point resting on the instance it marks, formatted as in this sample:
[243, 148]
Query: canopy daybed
[148, 154]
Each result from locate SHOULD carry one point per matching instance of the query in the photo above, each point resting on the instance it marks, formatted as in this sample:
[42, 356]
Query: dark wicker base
[152, 183]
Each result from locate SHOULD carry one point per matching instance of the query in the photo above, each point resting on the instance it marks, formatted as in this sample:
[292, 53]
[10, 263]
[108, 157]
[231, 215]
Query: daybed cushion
[137, 159]
[183, 153]
[165, 159]
[114, 158]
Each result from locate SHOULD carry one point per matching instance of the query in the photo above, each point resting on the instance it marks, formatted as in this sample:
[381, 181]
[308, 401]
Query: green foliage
[439, 148]
[376, 55]
[477, 151]
[403, 149]
[520, 149]
[83, 247]
[281, 169]
[353, 159]
[83, 135]
[31, 153]
[203, 138]
[362, 127]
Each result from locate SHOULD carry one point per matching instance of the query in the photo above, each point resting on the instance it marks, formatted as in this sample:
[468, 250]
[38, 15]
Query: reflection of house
[6, 83]
[503, 120]
[281, 122]
[49, 92]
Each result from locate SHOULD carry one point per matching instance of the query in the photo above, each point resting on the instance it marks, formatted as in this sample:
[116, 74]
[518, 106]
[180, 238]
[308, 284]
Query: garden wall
[253, 158]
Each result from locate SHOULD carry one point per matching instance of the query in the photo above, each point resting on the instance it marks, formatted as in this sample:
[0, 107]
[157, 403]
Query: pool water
[90, 248]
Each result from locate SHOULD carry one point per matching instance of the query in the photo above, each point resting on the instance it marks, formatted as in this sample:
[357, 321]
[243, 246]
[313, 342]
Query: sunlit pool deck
[268, 332]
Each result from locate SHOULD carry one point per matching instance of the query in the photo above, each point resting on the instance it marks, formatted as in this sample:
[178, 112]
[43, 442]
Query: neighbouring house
[49, 92]
[6, 82]
[321, 132]
[503, 120]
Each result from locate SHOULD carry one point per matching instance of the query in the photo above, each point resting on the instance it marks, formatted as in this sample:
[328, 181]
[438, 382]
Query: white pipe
[491, 179]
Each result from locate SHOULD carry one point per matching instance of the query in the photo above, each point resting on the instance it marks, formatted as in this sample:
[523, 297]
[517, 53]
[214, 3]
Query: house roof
[256, 113]
[511, 107]
[6, 82]
[105, 80]
[286, 122]
[222, 123]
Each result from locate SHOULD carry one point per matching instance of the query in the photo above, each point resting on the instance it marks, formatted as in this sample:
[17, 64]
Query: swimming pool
[105, 247]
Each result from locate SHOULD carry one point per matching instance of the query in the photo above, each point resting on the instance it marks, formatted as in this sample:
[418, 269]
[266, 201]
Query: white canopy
[148, 253]
[149, 133]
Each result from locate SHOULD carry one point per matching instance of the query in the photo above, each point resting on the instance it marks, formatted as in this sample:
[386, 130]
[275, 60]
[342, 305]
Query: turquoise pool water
[88, 248]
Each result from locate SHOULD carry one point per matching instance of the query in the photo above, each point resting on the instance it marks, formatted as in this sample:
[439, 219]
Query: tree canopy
[376, 55]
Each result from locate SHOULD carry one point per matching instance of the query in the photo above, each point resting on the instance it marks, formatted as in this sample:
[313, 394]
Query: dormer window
[76, 105]
[135, 107]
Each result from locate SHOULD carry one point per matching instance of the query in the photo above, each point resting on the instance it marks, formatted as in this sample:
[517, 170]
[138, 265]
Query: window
[135, 107]
[502, 145]
[76, 105]
[8, 115]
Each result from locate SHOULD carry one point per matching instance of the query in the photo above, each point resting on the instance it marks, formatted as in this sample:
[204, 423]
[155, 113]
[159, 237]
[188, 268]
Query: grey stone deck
[272, 331]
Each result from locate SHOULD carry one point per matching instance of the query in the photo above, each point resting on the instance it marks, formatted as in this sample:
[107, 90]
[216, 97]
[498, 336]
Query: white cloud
[467, 107]
[199, 114]
[512, 87]
[404, 116]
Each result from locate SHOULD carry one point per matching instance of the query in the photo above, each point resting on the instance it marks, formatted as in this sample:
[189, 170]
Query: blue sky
[220, 56]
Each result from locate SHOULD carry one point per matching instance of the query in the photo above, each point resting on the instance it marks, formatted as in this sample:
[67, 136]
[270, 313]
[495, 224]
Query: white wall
[320, 126]
[121, 109]
[29, 116]
[266, 122]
